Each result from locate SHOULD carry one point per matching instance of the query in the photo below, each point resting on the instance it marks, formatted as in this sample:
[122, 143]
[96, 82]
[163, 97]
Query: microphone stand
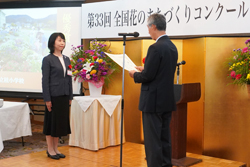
[122, 105]
[178, 73]
[178, 69]
[135, 34]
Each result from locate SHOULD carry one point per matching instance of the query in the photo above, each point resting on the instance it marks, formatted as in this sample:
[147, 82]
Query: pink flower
[79, 46]
[244, 50]
[88, 76]
[233, 74]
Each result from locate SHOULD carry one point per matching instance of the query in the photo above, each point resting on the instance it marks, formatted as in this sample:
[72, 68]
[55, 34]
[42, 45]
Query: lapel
[66, 64]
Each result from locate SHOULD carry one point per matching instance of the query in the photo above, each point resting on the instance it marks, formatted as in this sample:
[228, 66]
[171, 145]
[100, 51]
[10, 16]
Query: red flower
[70, 66]
[95, 57]
[238, 76]
[143, 60]
[91, 64]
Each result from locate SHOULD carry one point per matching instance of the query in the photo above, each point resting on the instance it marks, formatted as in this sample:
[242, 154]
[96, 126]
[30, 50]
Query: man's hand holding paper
[139, 68]
[118, 58]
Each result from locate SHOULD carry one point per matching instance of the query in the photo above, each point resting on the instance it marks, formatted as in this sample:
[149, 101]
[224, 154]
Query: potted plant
[93, 65]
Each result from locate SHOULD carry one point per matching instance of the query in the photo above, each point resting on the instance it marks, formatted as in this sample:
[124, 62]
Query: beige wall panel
[115, 86]
[227, 116]
[193, 71]
[145, 45]
[132, 116]
[179, 44]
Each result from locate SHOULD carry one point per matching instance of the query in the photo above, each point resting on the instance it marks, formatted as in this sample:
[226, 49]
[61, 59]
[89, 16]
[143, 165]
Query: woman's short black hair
[52, 40]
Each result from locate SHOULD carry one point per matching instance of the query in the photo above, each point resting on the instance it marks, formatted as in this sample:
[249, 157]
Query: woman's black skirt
[56, 122]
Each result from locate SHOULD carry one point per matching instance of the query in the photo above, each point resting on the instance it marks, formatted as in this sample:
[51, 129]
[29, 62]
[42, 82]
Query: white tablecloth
[95, 122]
[1, 142]
[14, 120]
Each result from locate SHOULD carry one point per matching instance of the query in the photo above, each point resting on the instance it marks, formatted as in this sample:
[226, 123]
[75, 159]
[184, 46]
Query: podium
[183, 94]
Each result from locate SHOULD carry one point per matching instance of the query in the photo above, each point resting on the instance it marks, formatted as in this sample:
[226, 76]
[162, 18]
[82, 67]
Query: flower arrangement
[92, 65]
[239, 65]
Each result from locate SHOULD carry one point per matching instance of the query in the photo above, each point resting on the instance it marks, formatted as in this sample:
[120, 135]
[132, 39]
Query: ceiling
[86, 1]
[43, 3]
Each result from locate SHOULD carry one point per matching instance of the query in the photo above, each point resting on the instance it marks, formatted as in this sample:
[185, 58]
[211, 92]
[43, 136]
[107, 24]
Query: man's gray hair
[158, 20]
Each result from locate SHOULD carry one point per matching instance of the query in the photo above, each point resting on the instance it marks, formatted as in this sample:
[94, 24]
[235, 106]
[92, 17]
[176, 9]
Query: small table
[14, 120]
[95, 122]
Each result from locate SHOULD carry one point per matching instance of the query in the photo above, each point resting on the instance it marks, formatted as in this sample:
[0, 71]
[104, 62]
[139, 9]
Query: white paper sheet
[118, 58]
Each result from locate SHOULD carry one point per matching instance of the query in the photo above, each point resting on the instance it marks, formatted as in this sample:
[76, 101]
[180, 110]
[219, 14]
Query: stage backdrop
[184, 17]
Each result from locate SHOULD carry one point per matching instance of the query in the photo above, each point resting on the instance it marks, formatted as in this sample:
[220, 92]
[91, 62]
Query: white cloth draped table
[108, 102]
[95, 122]
[1, 142]
[14, 120]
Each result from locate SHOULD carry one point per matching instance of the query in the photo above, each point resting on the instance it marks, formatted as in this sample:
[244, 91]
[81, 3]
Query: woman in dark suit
[57, 94]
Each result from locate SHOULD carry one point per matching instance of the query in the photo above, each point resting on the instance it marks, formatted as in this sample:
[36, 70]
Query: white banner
[184, 17]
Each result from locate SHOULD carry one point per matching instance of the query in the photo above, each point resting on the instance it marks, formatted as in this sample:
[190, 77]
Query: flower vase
[94, 91]
[248, 90]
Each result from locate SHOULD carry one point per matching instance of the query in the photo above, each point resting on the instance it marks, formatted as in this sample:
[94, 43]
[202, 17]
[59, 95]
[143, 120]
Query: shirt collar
[160, 37]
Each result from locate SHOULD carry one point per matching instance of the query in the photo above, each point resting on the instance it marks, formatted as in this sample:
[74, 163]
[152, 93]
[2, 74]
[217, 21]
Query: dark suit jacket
[53, 81]
[157, 78]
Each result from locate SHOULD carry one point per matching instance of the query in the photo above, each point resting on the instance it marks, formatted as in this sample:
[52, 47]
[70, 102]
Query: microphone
[134, 34]
[181, 63]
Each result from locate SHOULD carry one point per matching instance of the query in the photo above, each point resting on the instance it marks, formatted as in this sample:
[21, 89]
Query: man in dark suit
[157, 93]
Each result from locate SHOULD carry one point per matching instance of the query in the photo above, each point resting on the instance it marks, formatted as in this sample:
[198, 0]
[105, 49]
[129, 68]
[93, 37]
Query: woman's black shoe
[53, 156]
[61, 155]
